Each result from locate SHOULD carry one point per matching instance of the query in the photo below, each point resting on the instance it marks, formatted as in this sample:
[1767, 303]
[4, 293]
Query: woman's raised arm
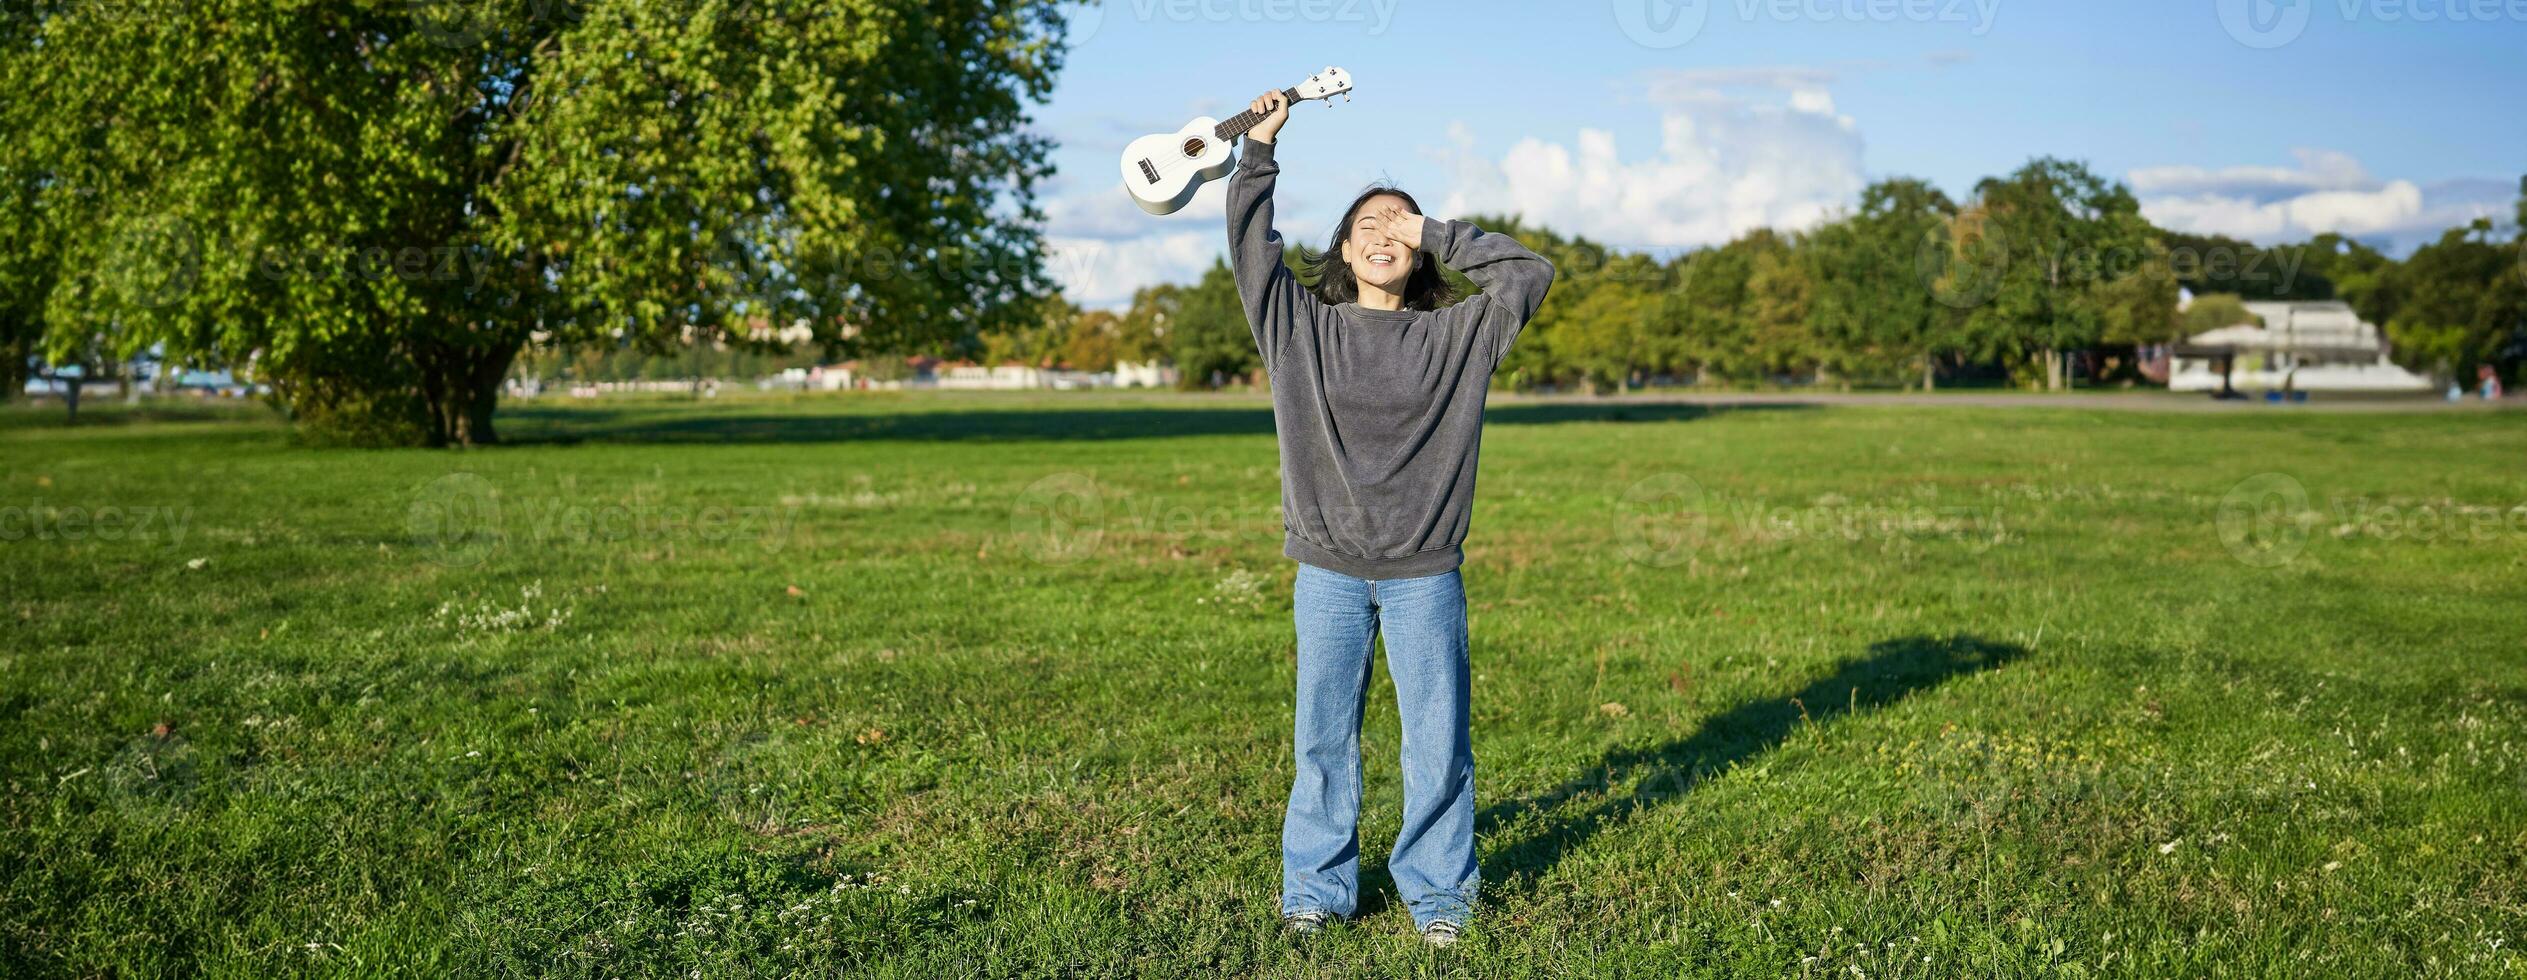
[1514, 280]
[1274, 301]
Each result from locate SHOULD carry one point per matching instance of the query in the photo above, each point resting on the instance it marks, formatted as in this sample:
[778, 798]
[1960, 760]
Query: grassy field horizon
[998, 685]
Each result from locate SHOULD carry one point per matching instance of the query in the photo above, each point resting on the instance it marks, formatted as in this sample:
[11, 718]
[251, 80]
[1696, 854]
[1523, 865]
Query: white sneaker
[1441, 934]
[1308, 923]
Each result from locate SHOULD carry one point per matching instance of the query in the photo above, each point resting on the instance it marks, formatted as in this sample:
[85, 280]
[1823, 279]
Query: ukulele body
[1164, 170]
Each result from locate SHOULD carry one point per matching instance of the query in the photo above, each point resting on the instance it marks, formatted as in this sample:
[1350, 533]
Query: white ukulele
[1163, 170]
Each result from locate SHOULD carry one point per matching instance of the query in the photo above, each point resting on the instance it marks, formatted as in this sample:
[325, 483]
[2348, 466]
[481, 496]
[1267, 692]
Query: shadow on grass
[540, 425]
[1891, 671]
[112, 413]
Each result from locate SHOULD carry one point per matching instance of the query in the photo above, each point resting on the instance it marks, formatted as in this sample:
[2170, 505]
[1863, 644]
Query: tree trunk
[1930, 373]
[13, 358]
[462, 388]
[2052, 370]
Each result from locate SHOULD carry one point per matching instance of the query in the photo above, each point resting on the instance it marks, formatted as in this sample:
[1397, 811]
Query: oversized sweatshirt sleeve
[1275, 302]
[1514, 280]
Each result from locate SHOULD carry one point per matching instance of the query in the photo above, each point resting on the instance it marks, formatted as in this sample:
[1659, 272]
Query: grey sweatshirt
[1380, 413]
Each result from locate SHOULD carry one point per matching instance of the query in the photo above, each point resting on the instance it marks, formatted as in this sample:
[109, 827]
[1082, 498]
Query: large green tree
[2072, 237]
[2464, 305]
[25, 275]
[1877, 309]
[1207, 335]
[376, 203]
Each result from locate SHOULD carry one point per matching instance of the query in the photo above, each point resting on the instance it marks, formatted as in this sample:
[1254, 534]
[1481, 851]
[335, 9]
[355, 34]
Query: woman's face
[1375, 259]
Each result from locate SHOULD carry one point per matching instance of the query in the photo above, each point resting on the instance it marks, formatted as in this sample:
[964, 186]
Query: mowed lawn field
[939, 685]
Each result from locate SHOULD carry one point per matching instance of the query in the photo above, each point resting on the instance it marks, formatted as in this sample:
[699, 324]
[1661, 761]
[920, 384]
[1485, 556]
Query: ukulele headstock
[1326, 84]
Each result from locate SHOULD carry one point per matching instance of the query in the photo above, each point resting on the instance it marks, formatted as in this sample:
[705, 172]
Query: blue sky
[1661, 126]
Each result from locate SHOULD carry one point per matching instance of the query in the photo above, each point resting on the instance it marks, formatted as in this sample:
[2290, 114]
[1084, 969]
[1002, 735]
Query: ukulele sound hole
[1193, 147]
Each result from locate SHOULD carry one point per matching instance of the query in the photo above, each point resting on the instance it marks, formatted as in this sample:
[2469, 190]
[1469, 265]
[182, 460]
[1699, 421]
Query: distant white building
[1144, 374]
[1003, 377]
[923, 372]
[2303, 346]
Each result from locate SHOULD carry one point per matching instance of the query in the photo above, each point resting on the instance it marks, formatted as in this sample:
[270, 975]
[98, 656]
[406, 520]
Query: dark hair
[1424, 288]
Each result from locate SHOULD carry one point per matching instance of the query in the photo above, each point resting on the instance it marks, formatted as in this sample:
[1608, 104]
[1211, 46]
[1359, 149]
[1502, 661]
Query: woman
[1377, 392]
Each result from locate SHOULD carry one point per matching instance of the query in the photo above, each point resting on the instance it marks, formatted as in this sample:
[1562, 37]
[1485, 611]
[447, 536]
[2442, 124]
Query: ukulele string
[1175, 164]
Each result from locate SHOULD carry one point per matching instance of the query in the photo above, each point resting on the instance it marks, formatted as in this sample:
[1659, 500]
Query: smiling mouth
[1381, 260]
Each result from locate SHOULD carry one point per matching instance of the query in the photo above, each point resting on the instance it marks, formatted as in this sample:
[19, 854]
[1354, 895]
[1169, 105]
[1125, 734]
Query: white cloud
[2318, 170]
[1739, 148]
[1103, 273]
[1100, 246]
[2328, 191]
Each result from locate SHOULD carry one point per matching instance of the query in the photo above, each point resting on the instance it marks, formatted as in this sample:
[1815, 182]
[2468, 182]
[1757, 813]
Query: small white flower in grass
[2170, 846]
[196, 565]
[1776, 903]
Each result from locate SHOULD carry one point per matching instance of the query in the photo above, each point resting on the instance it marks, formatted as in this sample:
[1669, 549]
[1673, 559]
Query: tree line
[2041, 278]
[377, 209]
[374, 207]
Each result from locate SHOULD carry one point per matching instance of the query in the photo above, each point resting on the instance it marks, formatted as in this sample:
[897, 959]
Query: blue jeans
[1423, 620]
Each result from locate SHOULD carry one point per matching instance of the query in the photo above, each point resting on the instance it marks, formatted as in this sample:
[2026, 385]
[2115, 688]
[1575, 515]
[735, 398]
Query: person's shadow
[1890, 671]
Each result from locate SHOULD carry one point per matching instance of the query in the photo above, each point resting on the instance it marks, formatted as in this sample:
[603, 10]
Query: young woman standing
[1377, 392]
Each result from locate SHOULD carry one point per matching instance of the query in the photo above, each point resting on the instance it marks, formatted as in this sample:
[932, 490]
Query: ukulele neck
[1237, 125]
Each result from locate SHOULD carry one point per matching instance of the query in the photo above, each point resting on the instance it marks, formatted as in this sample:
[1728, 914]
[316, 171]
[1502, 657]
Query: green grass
[941, 686]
